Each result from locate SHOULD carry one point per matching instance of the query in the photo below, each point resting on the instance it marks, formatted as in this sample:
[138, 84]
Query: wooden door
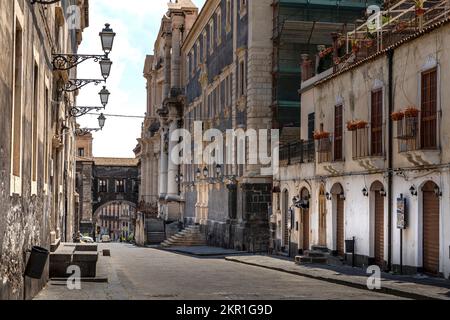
[430, 229]
[306, 229]
[340, 245]
[379, 229]
[322, 219]
[286, 219]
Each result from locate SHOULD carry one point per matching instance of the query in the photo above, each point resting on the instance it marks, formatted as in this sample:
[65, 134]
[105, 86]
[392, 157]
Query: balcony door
[428, 123]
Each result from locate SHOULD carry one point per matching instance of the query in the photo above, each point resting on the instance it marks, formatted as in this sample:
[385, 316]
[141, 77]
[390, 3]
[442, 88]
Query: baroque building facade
[213, 67]
[380, 171]
[37, 143]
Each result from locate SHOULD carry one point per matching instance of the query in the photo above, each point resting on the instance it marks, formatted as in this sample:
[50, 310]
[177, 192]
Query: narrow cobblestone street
[152, 274]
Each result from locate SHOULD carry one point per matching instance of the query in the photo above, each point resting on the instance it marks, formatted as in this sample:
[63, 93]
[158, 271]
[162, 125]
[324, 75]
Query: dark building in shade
[104, 183]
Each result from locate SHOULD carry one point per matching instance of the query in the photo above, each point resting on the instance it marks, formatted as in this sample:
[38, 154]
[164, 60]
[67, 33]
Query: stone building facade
[37, 145]
[159, 193]
[380, 148]
[228, 85]
[106, 187]
[211, 67]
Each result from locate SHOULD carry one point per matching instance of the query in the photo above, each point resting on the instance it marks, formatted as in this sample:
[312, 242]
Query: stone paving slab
[353, 277]
[204, 251]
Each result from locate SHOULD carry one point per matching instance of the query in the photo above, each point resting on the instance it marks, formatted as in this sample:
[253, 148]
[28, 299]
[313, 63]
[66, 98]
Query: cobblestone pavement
[148, 274]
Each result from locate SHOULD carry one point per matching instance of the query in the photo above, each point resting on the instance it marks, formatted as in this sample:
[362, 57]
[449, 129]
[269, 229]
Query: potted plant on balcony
[361, 124]
[411, 112]
[321, 135]
[351, 126]
[420, 10]
[397, 116]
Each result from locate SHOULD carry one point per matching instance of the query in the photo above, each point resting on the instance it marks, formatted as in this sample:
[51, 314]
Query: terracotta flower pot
[397, 116]
[411, 112]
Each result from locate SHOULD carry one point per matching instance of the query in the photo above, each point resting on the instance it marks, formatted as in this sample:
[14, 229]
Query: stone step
[321, 249]
[315, 254]
[310, 260]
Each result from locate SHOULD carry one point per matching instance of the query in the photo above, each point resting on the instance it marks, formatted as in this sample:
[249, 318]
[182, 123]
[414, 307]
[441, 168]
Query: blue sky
[136, 23]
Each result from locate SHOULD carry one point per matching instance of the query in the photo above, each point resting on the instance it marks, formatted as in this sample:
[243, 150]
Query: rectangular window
[34, 122]
[45, 134]
[311, 126]
[428, 124]
[205, 46]
[219, 27]
[120, 186]
[102, 185]
[242, 79]
[377, 123]
[199, 55]
[228, 16]
[338, 133]
[211, 37]
[81, 152]
[17, 108]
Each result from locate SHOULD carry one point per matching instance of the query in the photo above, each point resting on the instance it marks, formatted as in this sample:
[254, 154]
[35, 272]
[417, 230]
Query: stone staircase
[189, 237]
[318, 255]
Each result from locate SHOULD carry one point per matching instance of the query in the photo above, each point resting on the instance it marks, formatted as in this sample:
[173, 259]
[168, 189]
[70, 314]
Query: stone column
[156, 175]
[172, 189]
[177, 24]
[167, 68]
[163, 165]
[151, 162]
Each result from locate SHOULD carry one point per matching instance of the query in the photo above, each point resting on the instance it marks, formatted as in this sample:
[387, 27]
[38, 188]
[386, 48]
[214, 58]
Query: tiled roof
[116, 162]
[405, 40]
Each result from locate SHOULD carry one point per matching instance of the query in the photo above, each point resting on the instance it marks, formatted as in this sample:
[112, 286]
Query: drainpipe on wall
[390, 154]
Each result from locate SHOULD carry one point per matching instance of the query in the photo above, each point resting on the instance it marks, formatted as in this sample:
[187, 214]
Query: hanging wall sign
[401, 213]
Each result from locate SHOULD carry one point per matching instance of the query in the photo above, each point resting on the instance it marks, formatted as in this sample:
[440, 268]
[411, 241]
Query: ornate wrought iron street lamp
[104, 96]
[107, 36]
[77, 112]
[63, 62]
[84, 131]
[76, 84]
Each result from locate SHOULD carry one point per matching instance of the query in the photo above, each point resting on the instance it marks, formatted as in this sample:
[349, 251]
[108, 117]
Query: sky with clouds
[136, 23]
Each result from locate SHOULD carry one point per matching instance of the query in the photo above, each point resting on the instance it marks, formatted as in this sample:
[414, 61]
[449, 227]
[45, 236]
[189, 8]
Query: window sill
[423, 157]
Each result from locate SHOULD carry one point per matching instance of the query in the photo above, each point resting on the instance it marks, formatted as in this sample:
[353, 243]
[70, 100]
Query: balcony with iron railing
[298, 152]
[367, 145]
[417, 135]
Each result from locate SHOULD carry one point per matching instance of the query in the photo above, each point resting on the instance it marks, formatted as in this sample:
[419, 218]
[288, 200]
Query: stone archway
[115, 218]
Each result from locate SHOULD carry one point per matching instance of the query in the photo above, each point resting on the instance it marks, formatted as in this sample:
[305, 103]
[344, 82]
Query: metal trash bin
[36, 262]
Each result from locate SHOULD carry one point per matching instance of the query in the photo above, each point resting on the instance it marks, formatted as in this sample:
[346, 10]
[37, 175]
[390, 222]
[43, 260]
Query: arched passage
[431, 228]
[116, 219]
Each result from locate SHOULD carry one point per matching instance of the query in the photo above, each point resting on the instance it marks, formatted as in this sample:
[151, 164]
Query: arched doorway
[322, 217]
[431, 228]
[377, 190]
[286, 219]
[338, 199]
[304, 210]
